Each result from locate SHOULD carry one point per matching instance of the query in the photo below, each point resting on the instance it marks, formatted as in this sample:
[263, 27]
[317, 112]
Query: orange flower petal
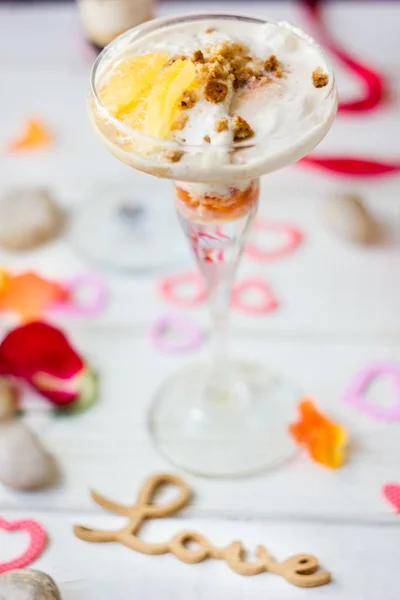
[34, 135]
[325, 440]
[29, 295]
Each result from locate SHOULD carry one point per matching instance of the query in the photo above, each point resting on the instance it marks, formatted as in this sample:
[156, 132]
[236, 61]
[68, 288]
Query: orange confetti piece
[325, 440]
[29, 294]
[34, 136]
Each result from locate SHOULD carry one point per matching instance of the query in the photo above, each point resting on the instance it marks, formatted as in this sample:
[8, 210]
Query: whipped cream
[289, 116]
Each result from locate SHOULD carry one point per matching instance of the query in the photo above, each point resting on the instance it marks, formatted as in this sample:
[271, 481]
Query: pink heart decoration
[170, 284]
[267, 303]
[96, 305]
[391, 492]
[293, 240]
[36, 546]
[355, 393]
[192, 336]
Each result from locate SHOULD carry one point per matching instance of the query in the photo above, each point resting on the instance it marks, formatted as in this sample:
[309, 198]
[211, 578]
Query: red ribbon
[346, 165]
[374, 96]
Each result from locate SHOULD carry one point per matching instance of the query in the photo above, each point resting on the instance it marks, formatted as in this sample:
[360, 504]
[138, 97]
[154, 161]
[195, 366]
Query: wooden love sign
[301, 569]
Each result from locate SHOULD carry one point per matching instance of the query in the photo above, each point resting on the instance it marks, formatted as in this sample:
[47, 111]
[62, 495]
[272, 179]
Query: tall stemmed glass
[222, 417]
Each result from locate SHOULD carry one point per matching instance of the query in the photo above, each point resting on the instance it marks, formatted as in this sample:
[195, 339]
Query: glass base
[123, 229]
[215, 434]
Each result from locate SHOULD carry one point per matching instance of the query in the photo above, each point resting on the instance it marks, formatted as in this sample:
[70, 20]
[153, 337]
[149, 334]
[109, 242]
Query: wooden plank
[108, 447]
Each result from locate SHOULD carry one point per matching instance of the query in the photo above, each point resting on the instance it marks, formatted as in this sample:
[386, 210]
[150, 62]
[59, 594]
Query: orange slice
[164, 96]
[34, 135]
[130, 81]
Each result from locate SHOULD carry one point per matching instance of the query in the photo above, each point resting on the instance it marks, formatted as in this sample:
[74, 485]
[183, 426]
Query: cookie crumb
[173, 155]
[241, 129]
[221, 125]
[272, 64]
[207, 139]
[210, 30]
[198, 56]
[215, 91]
[319, 78]
[188, 99]
[180, 122]
[242, 77]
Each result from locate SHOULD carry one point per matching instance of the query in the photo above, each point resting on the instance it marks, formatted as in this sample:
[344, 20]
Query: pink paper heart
[293, 238]
[391, 492]
[267, 302]
[356, 391]
[169, 289]
[37, 542]
[192, 336]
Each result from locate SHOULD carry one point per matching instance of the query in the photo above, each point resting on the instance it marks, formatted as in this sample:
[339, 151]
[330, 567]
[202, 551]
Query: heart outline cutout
[355, 393]
[168, 292]
[268, 304]
[95, 306]
[294, 237]
[194, 336]
[391, 493]
[38, 539]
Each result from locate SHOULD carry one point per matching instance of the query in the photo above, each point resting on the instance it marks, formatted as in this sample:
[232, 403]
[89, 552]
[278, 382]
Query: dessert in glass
[213, 102]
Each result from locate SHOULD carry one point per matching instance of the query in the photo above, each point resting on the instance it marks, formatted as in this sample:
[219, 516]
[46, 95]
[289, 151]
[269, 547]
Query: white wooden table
[339, 311]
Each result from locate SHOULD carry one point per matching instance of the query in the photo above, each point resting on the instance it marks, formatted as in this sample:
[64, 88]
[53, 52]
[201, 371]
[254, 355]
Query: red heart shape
[391, 492]
[37, 543]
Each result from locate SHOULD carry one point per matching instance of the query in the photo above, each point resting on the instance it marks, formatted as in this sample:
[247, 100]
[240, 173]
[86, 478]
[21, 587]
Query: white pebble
[27, 584]
[346, 216]
[25, 463]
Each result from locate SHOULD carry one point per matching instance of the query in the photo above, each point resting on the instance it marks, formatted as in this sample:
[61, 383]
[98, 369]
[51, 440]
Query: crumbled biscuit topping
[188, 99]
[221, 125]
[271, 64]
[173, 155]
[319, 78]
[207, 139]
[180, 122]
[210, 30]
[215, 91]
[241, 129]
[228, 61]
[197, 56]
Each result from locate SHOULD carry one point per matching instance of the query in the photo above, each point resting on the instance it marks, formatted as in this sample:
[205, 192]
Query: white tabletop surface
[339, 312]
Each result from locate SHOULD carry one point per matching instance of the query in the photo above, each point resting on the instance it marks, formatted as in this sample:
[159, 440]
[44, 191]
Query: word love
[301, 570]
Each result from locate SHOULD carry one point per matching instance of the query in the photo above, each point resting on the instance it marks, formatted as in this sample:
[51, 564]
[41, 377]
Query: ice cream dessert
[212, 103]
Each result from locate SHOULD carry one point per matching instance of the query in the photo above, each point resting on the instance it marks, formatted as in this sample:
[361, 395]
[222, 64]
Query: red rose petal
[38, 347]
[42, 355]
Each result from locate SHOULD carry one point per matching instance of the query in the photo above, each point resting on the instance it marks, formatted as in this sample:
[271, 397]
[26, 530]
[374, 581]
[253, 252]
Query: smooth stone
[25, 464]
[28, 218]
[346, 216]
[28, 584]
[8, 399]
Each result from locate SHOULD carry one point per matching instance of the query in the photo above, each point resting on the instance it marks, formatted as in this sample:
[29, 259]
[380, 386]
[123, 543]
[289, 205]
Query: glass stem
[219, 298]
[217, 245]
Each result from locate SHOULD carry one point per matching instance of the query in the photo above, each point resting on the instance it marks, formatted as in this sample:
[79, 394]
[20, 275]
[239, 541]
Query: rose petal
[325, 440]
[38, 347]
